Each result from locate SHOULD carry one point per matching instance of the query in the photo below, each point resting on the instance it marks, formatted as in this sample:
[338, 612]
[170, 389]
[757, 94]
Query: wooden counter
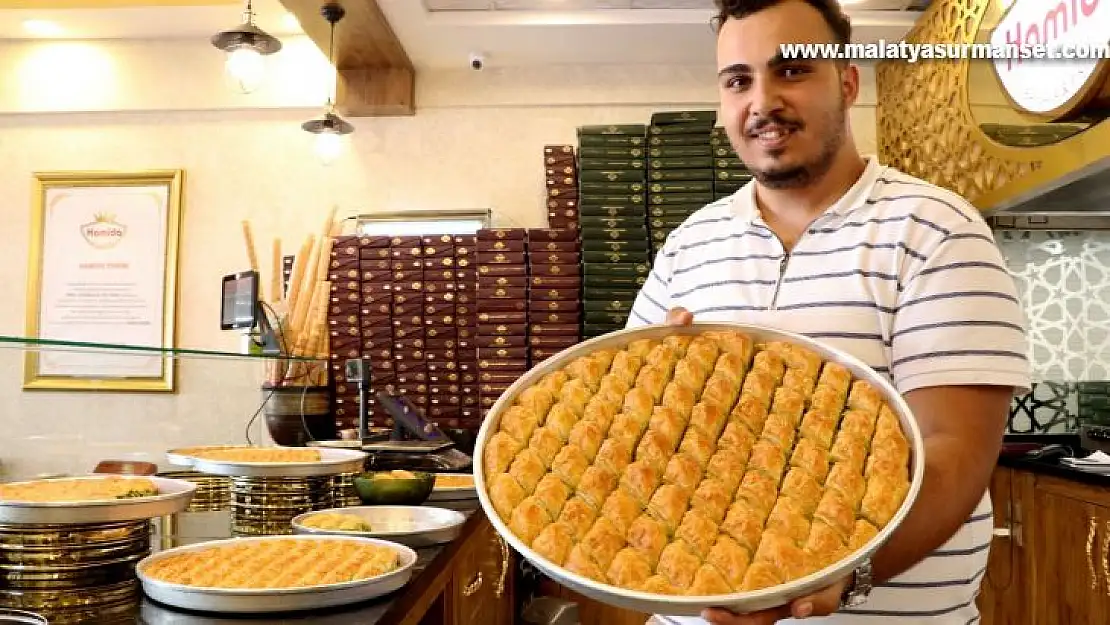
[1050, 559]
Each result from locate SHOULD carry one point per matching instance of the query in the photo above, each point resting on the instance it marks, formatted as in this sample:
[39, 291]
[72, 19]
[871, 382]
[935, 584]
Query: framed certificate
[102, 281]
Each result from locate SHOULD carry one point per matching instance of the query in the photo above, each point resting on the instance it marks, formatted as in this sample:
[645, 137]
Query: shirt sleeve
[654, 299]
[959, 319]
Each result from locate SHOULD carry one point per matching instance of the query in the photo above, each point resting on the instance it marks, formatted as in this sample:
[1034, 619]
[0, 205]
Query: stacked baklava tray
[697, 465]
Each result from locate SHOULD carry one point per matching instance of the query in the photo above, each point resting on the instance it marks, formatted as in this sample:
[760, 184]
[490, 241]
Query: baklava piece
[629, 569]
[621, 509]
[730, 559]
[500, 452]
[555, 542]
[505, 493]
[683, 471]
[595, 486]
[529, 519]
[668, 505]
[546, 444]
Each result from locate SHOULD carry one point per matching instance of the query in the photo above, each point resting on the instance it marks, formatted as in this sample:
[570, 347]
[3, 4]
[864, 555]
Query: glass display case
[218, 397]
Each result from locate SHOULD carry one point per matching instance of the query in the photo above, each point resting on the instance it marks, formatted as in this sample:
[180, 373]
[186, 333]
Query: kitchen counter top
[1054, 468]
[1051, 466]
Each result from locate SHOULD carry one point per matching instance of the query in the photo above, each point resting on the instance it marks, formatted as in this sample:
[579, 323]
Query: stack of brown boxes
[466, 323]
[561, 168]
[376, 263]
[449, 327]
[554, 298]
[409, 362]
[347, 313]
[502, 311]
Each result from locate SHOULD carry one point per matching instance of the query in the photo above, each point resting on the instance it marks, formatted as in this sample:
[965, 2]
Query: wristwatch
[859, 589]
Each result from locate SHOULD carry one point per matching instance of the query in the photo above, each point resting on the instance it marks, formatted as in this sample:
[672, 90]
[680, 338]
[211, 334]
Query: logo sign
[104, 232]
[1052, 67]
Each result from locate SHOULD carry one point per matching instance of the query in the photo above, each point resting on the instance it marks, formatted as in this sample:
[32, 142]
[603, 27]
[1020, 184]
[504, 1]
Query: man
[900, 273]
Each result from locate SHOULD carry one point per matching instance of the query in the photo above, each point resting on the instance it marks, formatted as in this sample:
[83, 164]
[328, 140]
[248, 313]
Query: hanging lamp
[330, 128]
[246, 45]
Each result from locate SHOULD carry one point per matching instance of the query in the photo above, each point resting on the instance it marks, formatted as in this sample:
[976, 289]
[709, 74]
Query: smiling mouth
[772, 136]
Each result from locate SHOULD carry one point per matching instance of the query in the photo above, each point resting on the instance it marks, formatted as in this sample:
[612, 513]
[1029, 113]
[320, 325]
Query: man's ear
[849, 83]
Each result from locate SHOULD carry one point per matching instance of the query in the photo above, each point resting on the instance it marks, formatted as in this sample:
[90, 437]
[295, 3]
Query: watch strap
[859, 589]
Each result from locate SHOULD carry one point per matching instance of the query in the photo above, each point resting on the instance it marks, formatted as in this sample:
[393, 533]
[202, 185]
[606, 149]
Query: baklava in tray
[697, 465]
[79, 490]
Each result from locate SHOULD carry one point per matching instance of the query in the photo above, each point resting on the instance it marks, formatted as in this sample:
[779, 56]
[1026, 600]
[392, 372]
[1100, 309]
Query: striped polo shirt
[902, 274]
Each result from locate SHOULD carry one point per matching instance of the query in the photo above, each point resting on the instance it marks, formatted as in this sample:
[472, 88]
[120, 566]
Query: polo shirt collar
[745, 208]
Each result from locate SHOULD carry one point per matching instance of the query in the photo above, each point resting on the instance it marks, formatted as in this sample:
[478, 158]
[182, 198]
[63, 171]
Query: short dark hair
[829, 9]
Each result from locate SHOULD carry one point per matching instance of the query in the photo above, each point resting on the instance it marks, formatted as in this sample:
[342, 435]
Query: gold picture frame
[88, 281]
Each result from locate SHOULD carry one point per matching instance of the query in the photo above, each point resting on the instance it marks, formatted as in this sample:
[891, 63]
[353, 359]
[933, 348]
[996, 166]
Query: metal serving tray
[19, 617]
[175, 496]
[182, 456]
[689, 605]
[453, 493]
[332, 462]
[412, 526]
[244, 601]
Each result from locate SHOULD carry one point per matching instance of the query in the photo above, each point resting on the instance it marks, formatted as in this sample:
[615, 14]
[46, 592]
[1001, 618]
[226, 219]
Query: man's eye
[737, 82]
[794, 72]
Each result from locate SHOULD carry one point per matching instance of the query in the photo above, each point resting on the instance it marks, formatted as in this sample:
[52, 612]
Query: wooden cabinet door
[1004, 596]
[1070, 551]
[481, 586]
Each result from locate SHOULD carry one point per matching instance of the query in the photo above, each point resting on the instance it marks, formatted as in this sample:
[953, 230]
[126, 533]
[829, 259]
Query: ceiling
[444, 33]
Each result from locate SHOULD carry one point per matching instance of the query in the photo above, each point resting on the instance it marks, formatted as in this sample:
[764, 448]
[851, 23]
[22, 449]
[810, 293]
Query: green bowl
[378, 489]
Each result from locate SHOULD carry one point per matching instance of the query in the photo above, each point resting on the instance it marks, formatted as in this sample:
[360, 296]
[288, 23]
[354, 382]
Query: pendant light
[330, 128]
[246, 45]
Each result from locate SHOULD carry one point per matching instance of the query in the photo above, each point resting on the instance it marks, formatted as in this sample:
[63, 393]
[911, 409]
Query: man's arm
[962, 427]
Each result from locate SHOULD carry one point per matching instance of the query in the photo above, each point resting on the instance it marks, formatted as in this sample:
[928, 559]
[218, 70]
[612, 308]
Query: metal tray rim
[457, 521]
[180, 493]
[333, 462]
[408, 559]
[693, 605]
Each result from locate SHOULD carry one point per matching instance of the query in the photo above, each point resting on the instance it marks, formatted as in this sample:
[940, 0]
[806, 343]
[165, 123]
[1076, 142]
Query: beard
[804, 174]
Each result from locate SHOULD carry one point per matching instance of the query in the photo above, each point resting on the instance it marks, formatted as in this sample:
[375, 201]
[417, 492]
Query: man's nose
[765, 98]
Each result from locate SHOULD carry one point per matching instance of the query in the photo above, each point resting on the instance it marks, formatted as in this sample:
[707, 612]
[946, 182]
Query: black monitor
[239, 306]
[240, 309]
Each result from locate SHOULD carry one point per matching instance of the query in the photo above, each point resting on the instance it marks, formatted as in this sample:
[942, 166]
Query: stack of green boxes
[680, 170]
[729, 172]
[613, 223]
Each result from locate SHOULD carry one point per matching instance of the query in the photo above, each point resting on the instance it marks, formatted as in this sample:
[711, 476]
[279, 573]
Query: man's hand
[821, 603]
[679, 316]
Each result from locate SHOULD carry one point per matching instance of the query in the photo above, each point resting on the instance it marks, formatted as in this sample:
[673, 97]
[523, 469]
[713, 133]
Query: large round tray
[245, 601]
[181, 456]
[332, 462]
[175, 496]
[412, 526]
[690, 605]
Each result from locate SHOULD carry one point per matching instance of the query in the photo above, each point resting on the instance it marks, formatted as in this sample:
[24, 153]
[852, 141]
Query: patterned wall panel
[925, 126]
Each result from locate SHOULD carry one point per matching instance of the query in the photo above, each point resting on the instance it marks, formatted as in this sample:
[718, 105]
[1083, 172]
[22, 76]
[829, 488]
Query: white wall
[475, 142]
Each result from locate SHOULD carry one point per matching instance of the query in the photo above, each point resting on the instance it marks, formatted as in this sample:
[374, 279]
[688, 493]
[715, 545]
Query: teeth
[772, 134]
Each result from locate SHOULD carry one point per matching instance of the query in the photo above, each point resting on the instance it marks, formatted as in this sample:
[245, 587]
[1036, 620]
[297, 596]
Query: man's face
[785, 118]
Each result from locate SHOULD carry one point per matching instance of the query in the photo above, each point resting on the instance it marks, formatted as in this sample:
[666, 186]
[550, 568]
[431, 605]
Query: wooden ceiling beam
[376, 76]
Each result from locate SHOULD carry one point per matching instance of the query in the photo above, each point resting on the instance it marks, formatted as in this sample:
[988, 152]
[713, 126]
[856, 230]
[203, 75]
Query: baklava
[698, 465]
[78, 490]
[275, 564]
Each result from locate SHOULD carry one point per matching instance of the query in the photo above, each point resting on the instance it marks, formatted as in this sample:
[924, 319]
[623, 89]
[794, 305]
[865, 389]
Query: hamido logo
[104, 232]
